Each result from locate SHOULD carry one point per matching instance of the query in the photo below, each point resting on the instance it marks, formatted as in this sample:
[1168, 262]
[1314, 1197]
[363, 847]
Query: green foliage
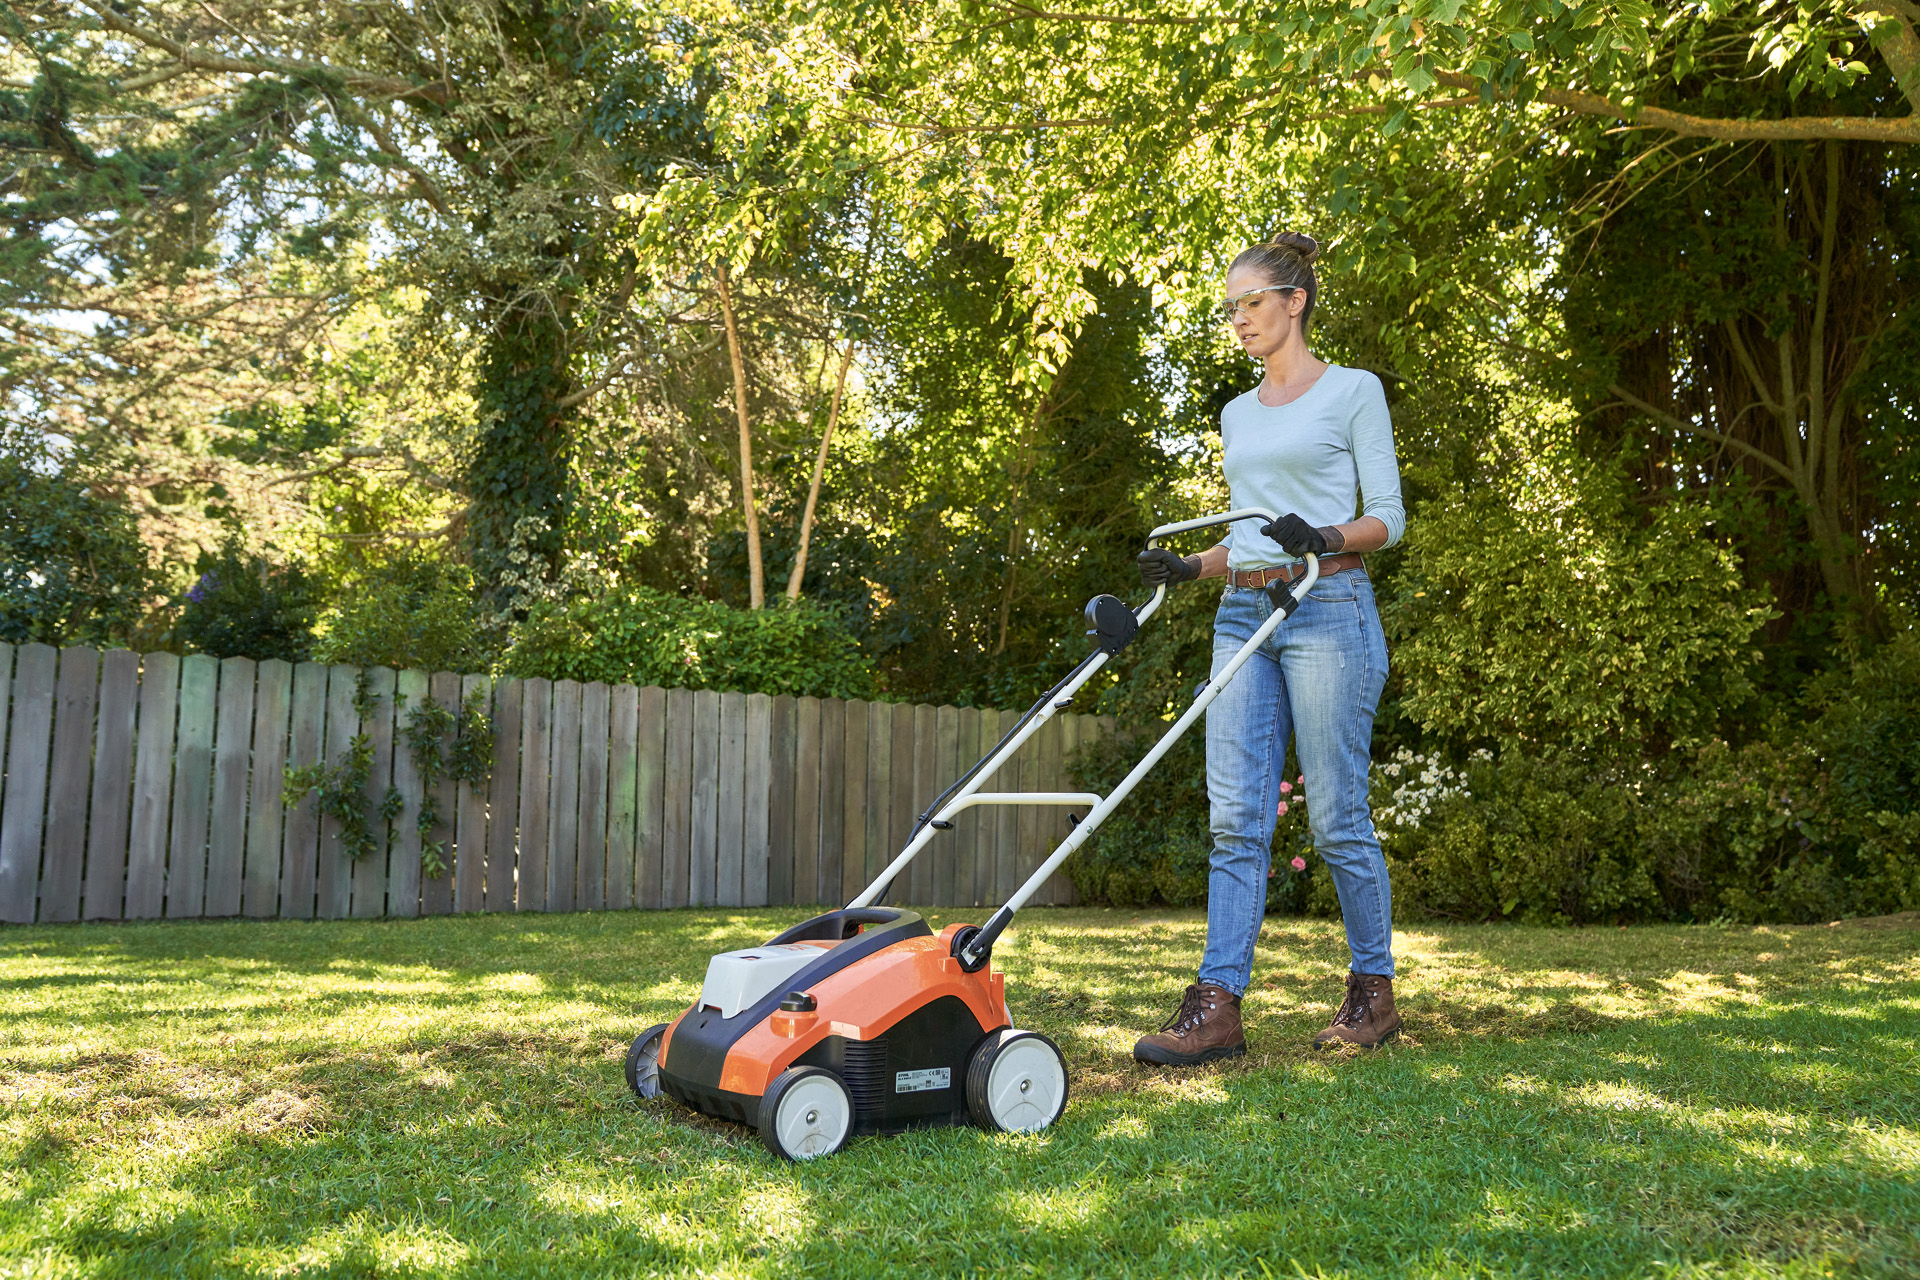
[1569, 620]
[1157, 848]
[341, 788]
[643, 636]
[1821, 822]
[72, 566]
[468, 760]
[247, 606]
[405, 611]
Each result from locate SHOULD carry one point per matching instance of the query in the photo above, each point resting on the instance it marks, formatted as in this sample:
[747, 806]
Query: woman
[1312, 440]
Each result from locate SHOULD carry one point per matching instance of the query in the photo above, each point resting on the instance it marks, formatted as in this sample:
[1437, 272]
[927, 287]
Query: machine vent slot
[866, 1074]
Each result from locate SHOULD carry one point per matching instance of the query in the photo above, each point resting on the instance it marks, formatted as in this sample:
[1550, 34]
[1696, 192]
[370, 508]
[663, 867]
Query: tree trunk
[819, 470]
[756, 579]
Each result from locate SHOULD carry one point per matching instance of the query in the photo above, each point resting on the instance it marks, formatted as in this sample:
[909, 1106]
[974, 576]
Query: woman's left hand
[1298, 538]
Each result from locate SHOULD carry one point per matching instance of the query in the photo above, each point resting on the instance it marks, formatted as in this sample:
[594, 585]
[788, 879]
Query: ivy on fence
[341, 787]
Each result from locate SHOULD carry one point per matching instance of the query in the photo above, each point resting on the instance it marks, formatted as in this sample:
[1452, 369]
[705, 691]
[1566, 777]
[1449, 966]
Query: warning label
[921, 1081]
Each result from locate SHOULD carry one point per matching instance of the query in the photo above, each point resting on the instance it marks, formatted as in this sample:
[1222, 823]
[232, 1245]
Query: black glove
[1298, 538]
[1160, 567]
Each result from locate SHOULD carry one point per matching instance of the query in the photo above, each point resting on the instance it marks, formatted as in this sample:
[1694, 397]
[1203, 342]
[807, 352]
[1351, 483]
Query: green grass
[444, 1097]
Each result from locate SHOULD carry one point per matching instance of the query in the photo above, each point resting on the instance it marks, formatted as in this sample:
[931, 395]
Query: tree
[490, 142]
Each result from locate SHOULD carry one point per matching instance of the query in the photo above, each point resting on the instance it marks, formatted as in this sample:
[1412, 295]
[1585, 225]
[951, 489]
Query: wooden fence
[143, 786]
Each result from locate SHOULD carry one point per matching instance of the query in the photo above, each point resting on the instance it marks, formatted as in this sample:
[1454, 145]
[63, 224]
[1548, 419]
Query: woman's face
[1265, 321]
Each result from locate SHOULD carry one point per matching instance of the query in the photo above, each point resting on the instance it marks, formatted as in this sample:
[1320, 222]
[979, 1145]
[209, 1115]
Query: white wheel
[1017, 1082]
[806, 1113]
[643, 1062]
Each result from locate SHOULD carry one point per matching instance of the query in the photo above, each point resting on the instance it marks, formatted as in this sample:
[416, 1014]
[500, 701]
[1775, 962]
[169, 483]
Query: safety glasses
[1249, 302]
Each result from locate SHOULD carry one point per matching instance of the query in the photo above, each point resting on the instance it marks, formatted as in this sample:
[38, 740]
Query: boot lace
[1192, 1011]
[1358, 1005]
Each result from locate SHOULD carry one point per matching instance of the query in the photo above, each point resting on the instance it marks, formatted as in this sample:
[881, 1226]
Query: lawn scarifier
[860, 1021]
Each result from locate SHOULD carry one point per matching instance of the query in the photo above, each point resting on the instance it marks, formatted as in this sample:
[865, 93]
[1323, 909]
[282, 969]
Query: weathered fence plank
[780, 798]
[112, 792]
[436, 892]
[623, 738]
[503, 796]
[563, 798]
[966, 830]
[730, 803]
[758, 772]
[470, 819]
[703, 828]
[369, 879]
[1006, 852]
[590, 822]
[152, 787]
[851, 795]
[676, 848]
[945, 850]
[536, 708]
[232, 760]
[64, 847]
[299, 877]
[876, 833]
[920, 876]
[833, 793]
[334, 879]
[906, 774]
[412, 690]
[808, 748]
[6, 706]
[23, 821]
[650, 773]
[272, 707]
[192, 788]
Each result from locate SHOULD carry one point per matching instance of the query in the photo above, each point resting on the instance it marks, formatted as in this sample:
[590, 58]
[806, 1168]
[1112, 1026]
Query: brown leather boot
[1366, 1018]
[1206, 1026]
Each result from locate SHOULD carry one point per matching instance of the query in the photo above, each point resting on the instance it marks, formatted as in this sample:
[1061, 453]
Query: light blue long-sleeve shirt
[1317, 456]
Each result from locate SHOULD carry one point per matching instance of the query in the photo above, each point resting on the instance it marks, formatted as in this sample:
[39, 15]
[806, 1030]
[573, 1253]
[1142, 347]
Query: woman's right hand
[1160, 567]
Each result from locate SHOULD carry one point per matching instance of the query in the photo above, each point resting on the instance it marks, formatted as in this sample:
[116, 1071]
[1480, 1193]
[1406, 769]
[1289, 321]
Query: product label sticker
[921, 1081]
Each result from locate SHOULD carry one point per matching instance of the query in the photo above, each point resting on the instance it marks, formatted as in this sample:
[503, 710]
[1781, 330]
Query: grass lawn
[444, 1097]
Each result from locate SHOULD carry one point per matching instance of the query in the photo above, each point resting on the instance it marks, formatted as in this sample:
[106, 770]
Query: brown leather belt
[1292, 573]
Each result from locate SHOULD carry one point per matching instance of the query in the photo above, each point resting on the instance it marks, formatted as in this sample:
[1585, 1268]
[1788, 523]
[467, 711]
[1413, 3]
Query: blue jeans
[1316, 680]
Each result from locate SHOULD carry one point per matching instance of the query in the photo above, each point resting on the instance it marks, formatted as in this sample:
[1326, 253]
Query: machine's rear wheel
[806, 1112]
[643, 1062]
[1017, 1082]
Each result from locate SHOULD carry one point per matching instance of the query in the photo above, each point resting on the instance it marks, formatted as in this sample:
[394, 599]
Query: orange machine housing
[912, 986]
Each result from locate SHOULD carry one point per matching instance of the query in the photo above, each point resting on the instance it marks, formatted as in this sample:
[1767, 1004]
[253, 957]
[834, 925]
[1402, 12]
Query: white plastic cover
[738, 979]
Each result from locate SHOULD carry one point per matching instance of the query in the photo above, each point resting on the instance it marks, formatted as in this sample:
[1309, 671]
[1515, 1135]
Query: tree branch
[1681, 424]
[202, 60]
[1796, 129]
[1893, 24]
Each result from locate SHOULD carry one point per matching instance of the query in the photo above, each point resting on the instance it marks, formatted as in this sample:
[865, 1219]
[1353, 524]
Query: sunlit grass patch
[444, 1097]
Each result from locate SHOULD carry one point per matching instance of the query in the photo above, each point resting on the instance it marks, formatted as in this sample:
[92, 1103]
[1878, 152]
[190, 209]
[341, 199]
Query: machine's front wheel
[1017, 1082]
[806, 1112]
[643, 1062]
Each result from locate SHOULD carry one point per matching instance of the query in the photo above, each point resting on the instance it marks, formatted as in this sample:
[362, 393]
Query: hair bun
[1300, 242]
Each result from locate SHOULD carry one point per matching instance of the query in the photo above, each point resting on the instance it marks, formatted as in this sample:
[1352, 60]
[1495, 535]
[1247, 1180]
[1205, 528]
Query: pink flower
[1283, 808]
[1299, 863]
[1302, 779]
[1269, 875]
[1286, 788]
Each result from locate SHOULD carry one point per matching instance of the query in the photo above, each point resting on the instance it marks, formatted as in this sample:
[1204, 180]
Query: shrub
[1569, 621]
[408, 611]
[642, 636]
[72, 567]
[1158, 847]
[1820, 823]
[244, 605]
